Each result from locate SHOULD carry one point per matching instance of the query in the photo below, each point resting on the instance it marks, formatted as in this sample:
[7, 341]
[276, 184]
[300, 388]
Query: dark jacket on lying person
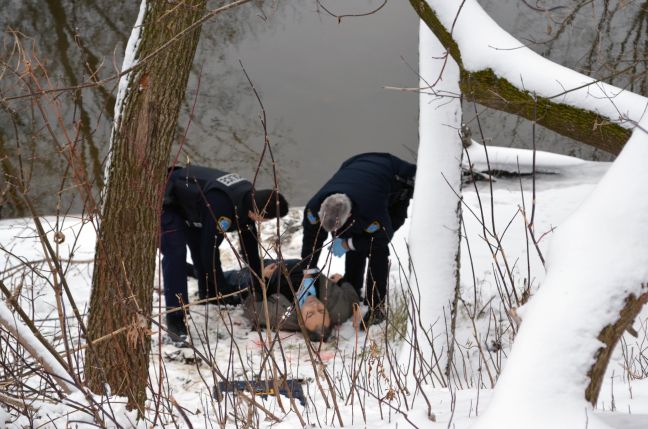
[338, 299]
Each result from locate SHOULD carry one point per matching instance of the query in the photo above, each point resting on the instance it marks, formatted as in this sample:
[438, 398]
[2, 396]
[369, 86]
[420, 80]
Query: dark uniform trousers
[203, 242]
[377, 278]
[377, 275]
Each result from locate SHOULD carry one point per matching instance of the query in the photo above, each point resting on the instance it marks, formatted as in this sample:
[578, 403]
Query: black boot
[373, 317]
[177, 330]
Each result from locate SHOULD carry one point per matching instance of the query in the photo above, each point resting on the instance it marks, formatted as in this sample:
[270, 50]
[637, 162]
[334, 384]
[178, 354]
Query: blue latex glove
[338, 248]
[306, 289]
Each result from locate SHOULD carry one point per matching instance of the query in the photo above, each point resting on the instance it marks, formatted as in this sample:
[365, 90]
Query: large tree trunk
[145, 122]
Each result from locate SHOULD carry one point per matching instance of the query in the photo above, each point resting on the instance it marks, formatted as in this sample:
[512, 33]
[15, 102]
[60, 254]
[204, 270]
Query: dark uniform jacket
[188, 186]
[203, 194]
[337, 298]
[374, 182]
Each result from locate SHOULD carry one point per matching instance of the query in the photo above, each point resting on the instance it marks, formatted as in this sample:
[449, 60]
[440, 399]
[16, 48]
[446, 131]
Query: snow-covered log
[516, 161]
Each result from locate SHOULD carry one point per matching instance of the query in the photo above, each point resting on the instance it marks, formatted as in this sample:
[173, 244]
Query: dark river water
[328, 87]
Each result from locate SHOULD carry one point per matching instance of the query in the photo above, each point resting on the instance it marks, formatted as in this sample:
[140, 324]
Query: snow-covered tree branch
[498, 71]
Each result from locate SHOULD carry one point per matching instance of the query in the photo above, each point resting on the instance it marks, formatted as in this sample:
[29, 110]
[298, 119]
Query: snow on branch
[498, 71]
[38, 351]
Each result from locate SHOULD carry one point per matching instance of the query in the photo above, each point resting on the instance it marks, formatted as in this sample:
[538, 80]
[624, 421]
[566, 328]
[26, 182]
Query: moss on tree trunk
[490, 90]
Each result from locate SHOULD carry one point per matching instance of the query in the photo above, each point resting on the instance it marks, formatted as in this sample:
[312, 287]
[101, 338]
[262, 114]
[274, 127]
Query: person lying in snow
[323, 302]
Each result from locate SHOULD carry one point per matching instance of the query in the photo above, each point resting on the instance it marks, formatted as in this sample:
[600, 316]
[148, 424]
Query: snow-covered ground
[363, 386]
[596, 264]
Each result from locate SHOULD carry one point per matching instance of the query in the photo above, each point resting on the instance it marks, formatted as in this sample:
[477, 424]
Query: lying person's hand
[268, 270]
[336, 277]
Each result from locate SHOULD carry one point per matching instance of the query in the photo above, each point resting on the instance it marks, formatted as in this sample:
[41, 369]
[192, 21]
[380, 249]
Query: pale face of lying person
[315, 314]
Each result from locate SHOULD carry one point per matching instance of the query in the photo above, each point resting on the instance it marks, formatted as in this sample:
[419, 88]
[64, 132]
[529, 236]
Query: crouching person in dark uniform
[362, 205]
[200, 205]
[324, 302]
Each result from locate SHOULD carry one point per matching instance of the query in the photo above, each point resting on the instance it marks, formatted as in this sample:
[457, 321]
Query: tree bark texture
[123, 279]
[610, 336]
[488, 89]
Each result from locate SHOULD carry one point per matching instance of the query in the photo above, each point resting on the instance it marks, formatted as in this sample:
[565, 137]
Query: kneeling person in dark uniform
[362, 205]
[200, 205]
